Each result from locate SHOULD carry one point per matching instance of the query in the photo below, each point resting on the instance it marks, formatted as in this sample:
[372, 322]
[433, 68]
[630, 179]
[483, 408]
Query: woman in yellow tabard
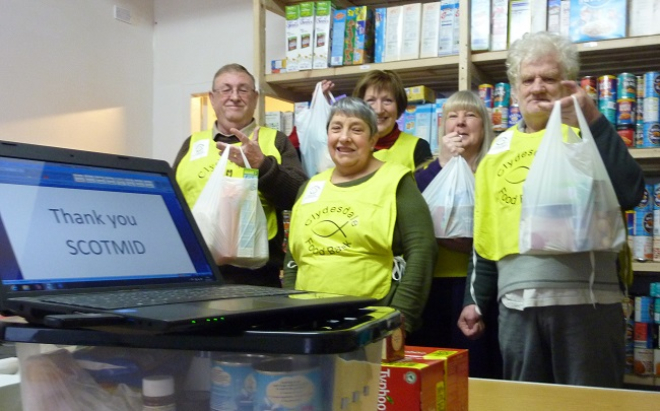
[384, 92]
[350, 222]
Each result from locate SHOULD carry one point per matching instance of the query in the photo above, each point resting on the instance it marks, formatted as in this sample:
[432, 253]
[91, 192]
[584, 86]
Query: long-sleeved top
[488, 279]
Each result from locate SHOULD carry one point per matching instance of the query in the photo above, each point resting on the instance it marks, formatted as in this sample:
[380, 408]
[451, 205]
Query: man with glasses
[234, 98]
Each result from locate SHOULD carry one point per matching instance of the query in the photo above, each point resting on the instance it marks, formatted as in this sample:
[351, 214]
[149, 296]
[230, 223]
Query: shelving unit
[443, 74]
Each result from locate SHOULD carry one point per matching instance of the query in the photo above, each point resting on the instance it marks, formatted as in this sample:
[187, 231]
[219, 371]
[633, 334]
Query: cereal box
[306, 27]
[349, 35]
[447, 21]
[412, 22]
[565, 18]
[593, 20]
[363, 42]
[644, 15]
[554, 16]
[338, 31]
[500, 29]
[323, 13]
[292, 14]
[520, 20]
[480, 24]
[539, 18]
[393, 33]
[380, 20]
[430, 35]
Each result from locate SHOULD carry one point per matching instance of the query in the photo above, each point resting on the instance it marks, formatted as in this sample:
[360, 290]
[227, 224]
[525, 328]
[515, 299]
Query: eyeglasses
[229, 91]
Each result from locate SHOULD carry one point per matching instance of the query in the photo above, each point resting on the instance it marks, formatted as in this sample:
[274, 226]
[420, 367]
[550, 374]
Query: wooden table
[495, 395]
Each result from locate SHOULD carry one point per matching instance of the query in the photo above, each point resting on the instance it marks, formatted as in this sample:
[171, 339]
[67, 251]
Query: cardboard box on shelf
[338, 33]
[363, 42]
[350, 31]
[480, 25]
[380, 20]
[393, 33]
[499, 23]
[412, 21]
[323, 14]
[420, 94]
[520, 19]
[592, 21]
[430, 36]
[292, 14]
[306, 27]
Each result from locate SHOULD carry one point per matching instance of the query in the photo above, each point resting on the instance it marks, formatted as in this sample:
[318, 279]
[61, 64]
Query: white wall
[192, 40]
[73, 76]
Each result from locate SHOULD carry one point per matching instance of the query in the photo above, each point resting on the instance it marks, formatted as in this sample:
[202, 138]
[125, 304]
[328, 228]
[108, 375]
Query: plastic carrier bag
[450, 196]
[230, 217]
[569, 203]
[311, 125]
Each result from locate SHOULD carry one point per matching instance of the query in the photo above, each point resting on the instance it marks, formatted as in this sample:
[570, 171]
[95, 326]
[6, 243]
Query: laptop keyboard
[141, 298]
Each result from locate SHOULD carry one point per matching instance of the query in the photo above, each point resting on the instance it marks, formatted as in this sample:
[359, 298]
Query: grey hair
[469, 101]
[534, 46]
[355, 107]
[233, 68]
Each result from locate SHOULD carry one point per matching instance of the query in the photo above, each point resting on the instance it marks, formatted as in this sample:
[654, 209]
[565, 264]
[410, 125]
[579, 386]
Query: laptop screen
[66, 226]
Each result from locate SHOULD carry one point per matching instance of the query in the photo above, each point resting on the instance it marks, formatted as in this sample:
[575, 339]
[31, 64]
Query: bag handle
[318, 93]
[224, 158]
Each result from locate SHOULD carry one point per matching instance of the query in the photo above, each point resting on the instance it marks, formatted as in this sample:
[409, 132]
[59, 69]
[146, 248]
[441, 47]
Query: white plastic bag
[450, 196]
[230, 217]
[311, 125]
[569, 204]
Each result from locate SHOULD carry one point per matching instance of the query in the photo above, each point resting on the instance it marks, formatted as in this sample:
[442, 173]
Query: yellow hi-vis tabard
[499, 191]
[341, 237]
[196, 166]
[402, 151]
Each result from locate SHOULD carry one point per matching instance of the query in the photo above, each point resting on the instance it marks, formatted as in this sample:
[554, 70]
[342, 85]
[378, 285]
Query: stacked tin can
[501, 100]
[656, 222]
[606, 87]
[639, 113]
[486, 95]
[626, 107]
[643, 227]
[651, 111]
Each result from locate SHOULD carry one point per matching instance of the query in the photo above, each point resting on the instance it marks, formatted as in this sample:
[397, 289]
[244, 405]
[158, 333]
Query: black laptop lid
[74, 220]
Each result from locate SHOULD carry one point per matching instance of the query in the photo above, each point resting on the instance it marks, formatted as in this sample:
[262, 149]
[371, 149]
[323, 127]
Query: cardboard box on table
[428, 378]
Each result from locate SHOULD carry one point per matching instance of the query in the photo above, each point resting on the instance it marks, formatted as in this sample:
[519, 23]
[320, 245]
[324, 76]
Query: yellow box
[420, 94]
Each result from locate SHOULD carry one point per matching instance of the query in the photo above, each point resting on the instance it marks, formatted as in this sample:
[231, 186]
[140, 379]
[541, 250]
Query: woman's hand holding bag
[450, 197]
[311, 126]
[230, 217]
[569, 204]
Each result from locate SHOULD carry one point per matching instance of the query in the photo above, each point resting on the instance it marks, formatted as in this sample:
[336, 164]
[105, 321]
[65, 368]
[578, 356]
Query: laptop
[101, 228]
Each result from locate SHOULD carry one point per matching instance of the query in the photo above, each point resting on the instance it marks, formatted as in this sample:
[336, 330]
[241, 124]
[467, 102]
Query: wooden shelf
[647, 266]
[648, 158]
[634, 379]
[633, 54]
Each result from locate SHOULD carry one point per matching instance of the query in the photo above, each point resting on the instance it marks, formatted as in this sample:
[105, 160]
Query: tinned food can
[289, 384]
[625, 111]
[607, 97]
[627, 134]
[626, 86]
[514, 114]
[486, 94]
[588, 83]
[233, 381]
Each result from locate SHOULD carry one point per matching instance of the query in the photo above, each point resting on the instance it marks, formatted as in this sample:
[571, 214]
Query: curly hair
[534, 46]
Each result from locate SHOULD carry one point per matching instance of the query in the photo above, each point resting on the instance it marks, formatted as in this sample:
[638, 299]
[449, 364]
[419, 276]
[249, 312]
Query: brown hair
[383, 80]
